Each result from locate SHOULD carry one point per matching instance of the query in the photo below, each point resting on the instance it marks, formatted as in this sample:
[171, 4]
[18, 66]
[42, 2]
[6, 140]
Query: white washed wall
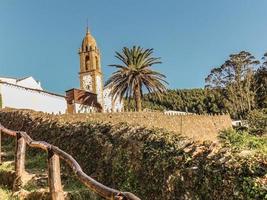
[118, 105]
[83, 108]
[99, 90]
[21, 98]
[30, 82]
[8, 80]
[107, 100]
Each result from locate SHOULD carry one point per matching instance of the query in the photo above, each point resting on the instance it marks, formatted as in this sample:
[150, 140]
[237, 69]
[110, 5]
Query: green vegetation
[135, 74]
[261, 84]
[250, 152]
[199, 101]
[235, 79]
[241, 140]
[257, 121]
[242, 87]
[6, 194]
[36, 164]
[6, 169]
[154, 163]
[236, 87]
[36, 159]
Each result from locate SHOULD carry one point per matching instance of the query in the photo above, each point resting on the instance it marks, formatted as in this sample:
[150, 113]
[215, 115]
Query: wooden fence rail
[54, 154]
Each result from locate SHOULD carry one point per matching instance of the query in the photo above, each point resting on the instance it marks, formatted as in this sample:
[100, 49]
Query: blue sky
[41, 38]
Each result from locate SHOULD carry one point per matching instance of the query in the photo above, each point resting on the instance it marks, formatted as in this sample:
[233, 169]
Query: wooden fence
[54, 154]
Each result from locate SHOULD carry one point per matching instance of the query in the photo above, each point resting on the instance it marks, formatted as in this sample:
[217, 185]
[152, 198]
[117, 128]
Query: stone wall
[198, 127]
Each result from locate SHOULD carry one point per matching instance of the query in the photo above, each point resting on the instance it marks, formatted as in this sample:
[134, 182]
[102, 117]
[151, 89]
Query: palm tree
[135, 74]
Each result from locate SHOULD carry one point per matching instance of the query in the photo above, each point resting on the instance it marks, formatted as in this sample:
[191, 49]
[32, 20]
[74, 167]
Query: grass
[242, 140]
[6, 194]
[7, 166]
[36, 162]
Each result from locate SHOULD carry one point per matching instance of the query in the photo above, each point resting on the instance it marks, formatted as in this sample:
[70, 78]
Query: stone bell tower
[90, 67]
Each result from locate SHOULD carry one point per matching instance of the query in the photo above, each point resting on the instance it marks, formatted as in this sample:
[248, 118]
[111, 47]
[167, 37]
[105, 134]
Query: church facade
[92, 95]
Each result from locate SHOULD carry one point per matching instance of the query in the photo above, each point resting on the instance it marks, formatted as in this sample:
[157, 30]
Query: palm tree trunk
[137, 98]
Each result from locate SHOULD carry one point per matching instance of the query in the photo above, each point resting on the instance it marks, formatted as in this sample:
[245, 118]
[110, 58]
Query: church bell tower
[90, 67]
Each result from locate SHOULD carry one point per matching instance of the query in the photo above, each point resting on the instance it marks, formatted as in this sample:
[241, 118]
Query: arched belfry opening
[87, 62]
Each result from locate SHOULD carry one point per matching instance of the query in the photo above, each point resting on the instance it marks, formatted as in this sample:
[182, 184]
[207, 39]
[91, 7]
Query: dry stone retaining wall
[198, 127]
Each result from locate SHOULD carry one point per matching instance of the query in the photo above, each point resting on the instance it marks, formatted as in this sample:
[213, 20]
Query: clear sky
[40, 38]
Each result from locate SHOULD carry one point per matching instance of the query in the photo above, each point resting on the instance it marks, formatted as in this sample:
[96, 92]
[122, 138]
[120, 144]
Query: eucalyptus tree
[134, 73]
[261, 84]
[235, 78]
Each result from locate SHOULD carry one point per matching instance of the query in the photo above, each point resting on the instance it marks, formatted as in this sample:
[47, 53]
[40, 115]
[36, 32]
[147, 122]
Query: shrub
[242, 140]
[257, 121]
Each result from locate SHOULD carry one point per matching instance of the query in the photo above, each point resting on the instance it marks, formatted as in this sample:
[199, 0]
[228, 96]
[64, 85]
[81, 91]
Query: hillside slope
[151, 163]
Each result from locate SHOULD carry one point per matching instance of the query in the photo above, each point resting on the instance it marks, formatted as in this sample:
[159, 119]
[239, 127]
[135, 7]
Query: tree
[135, 74]
[261, 84]
[199, 101]
[257, 121]
[235, 79]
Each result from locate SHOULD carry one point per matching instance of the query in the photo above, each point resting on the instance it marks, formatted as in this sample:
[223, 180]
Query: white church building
[92, 96]
[27, 93]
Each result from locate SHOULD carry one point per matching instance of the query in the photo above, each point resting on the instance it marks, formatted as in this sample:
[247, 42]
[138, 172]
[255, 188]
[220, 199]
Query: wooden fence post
[54, 180]
[19, 162]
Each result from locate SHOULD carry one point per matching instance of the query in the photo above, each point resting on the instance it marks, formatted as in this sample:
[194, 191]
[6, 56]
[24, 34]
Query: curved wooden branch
[7, 131]
[100, 189]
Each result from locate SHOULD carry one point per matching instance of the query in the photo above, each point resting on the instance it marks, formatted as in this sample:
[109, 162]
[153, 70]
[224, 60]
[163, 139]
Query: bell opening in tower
[87, 63]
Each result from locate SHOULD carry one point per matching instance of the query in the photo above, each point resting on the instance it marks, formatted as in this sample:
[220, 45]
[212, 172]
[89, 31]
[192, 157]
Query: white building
[27, 93]
[174, 112]
[240, 123]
